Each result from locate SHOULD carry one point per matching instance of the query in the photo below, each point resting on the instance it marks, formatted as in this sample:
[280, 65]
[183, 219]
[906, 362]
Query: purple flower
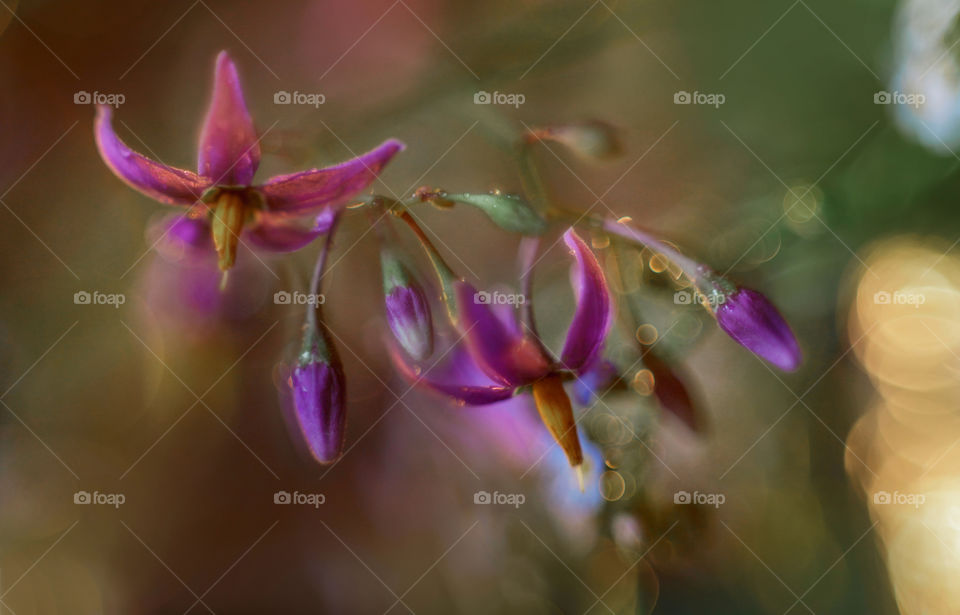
[510, 359]
[754, 323]
[408, 312]
[227, 158]
[318, 387]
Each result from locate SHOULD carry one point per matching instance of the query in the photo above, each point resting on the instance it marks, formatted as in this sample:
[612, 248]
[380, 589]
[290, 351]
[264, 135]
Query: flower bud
[592, 139]
[754, 323]
[318, 387]
[408, 311]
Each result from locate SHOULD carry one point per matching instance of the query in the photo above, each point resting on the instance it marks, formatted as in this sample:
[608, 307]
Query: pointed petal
[306, 192]
[229, 152]
[471, 395]
[276, 235]
[158, 181]
[593, 317]
[503, 354]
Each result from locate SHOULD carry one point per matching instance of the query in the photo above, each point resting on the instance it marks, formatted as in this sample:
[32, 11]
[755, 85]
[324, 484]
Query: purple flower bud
[318, 397]
[408, 312]
[754, 323]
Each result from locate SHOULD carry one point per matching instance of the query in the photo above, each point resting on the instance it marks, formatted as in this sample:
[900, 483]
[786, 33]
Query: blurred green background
[103, 399]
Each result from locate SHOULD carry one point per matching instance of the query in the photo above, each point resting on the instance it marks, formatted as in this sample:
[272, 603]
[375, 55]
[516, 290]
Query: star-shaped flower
[222, 189]
[502, 358]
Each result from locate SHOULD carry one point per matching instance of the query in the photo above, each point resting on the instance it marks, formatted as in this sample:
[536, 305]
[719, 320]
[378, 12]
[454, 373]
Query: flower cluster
[484, 352]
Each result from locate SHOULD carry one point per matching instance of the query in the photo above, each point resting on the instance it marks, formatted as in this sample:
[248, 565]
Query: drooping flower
[317, 382]
[744, 314]
[511, 359]
[268, 215]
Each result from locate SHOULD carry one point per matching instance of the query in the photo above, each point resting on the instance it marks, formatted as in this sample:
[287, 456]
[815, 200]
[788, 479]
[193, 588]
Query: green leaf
[508, 211]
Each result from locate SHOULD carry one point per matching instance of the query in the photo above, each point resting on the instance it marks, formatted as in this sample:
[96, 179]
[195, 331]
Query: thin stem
[617, 227]
[314, 315]
[525, 261]
[442, 268]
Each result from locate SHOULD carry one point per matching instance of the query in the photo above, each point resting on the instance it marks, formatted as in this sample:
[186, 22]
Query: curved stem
[617, 227]
[314, 315]
[525, 261]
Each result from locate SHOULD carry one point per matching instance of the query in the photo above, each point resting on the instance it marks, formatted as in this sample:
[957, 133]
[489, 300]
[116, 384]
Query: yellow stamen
[557, 414]
[229, 215]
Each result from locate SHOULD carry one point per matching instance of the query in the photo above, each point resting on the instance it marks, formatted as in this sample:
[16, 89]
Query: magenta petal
[593, 317]
[158, 181]
[506, 357]
[279, 236]
[229, 152]
[181, 238]
[471, 395]
[305, 192]
[754, 323]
